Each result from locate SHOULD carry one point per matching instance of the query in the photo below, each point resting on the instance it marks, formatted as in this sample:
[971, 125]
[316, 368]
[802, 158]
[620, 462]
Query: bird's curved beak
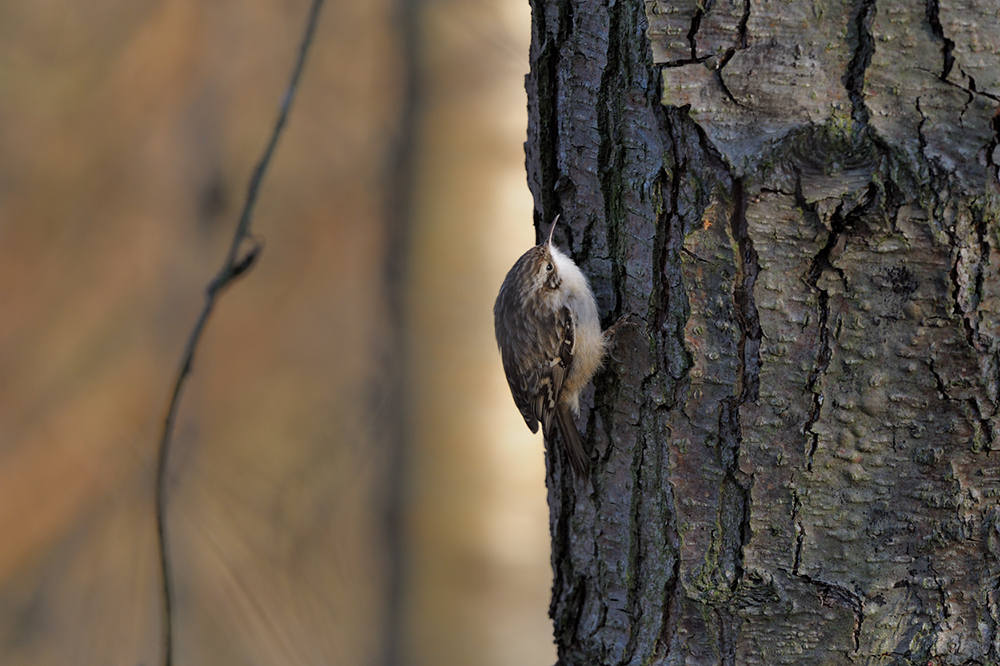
[552, 229]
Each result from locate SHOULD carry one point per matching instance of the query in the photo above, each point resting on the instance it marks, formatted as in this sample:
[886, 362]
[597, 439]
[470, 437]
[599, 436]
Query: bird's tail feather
[572, 441]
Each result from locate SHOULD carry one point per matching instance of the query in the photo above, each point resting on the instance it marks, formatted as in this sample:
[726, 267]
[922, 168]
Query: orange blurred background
[128, 131]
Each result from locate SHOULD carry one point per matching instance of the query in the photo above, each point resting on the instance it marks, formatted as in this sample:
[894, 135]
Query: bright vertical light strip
[480, 582]
[516, 529]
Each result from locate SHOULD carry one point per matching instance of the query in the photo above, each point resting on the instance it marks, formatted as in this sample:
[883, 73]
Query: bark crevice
[859, 33]
[824, 351]
[546, 68]
[721, 79]
[748, 267]
[611, 154]
[947, 45]
[840, 226]
[692, 35]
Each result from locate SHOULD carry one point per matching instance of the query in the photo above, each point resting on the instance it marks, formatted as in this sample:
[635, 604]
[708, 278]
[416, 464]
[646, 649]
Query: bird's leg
[611, 331]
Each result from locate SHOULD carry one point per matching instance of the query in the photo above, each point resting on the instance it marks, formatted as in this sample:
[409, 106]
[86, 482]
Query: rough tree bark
[795, 450]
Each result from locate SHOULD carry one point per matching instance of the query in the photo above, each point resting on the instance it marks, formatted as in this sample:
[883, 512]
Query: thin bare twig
[394, 412]
[235, 265]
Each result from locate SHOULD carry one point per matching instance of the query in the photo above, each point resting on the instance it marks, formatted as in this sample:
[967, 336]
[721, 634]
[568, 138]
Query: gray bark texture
[795, 439]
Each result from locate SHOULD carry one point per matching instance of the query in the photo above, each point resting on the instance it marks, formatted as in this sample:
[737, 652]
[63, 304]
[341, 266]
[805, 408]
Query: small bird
[550, 340]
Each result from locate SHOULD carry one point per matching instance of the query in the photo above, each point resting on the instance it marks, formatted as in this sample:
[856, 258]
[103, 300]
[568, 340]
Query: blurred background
[128, 132]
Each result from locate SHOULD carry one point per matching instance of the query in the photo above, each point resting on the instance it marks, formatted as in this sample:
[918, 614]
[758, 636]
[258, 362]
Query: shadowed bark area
[795, 447]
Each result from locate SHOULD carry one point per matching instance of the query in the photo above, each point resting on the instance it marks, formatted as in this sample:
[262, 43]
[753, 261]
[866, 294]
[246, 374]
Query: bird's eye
[548, 267]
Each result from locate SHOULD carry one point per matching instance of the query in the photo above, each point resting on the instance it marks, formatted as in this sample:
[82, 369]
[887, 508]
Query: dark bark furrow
[734, 491]
[741, 28]
[546, 49]
[611, 154]
[992, 147]
[664, 277]
[800, 531]
[693, 33]
[721, 79]
[947, 45]
[859, 34]
[634, 603]
[824, 352]
[748, 385]
[921, 137]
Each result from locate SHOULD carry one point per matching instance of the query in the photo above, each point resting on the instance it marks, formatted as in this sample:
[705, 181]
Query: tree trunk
[795, 441]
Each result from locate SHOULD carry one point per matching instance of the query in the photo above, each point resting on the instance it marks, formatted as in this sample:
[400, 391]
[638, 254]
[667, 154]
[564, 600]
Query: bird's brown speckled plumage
[550, 340]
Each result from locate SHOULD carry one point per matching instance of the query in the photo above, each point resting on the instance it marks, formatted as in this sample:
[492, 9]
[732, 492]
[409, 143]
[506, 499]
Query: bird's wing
[536, 368]
[559, 359]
